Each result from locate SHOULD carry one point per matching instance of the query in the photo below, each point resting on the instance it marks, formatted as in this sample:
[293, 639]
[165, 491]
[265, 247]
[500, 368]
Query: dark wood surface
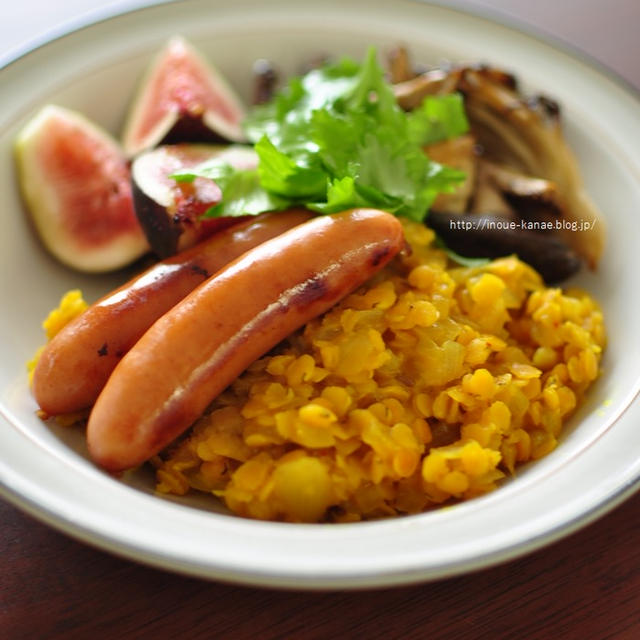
[585, 587]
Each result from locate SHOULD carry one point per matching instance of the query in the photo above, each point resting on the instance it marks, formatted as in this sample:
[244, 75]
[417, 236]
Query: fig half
[182, 98]
[75, 182]
[170, 212]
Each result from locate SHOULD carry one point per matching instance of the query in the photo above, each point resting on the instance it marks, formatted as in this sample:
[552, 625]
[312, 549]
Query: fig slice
[75, 183]
[169, 212]
[182, 98]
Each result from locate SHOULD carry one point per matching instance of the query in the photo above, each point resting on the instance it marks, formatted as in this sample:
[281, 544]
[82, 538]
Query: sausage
[76, 364]
[199, 347]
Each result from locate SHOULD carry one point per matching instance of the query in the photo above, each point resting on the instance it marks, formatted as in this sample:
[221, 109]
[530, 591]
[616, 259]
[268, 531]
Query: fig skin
[75, 183]
[170, 213]
[182, 98]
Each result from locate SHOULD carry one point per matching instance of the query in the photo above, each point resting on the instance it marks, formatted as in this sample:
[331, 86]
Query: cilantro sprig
[336, 139]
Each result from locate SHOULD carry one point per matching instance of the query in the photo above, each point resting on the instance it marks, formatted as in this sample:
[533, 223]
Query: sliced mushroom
[458, 153]
[265, 80]
[400, 68]
[527, 197]
[523, 135]
[411, 93]
[490, 236]
[487, 197]
[518, 184]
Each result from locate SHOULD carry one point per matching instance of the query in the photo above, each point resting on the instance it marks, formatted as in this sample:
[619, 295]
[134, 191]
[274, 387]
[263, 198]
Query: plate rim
[486, 12]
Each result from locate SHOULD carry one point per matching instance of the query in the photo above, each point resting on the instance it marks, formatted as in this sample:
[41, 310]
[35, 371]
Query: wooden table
[585, 587]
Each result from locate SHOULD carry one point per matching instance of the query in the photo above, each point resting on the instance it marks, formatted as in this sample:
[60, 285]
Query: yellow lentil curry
[426, 386]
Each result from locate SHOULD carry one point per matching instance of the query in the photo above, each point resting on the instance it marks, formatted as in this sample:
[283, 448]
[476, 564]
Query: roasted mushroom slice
[530, 139]
[502, 190]
[520, 185]
[411, 93]
[458, 153]
[265, 80]
[525, 135]
[400, 68]
[492, 236]
[439, 81]
[487, 196]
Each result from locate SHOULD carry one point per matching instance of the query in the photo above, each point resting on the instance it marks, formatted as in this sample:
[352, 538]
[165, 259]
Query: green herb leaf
[438, 118]
[345, 193]
[243, 194]
[336, 139]
[281, 174]
[463, 261]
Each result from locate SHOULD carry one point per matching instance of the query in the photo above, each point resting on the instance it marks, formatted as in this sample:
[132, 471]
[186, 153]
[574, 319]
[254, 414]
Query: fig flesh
[170, 212]
[182, 98]
[75, 183]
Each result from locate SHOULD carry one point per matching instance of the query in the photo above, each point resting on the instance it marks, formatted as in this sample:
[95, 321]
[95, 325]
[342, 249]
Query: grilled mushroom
[400, 69]
[524, 135]
[488, 197]
[494, 236]
[458, 153]
[502, 190]
[411, 93]
[265, 80]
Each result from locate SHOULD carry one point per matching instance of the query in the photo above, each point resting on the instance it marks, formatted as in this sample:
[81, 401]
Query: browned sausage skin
[201, 345]
[76, 364]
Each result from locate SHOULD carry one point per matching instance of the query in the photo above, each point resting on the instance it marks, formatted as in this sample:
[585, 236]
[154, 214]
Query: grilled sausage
[200, 346]
[76, 364]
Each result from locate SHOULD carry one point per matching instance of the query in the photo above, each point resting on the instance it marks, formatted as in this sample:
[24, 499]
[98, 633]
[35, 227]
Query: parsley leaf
[242, 191]
[336, 139]
[438, 118]
[281, 174]
[463, 261]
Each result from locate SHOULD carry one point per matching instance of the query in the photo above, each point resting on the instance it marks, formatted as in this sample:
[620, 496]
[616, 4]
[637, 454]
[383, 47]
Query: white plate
[46, 472]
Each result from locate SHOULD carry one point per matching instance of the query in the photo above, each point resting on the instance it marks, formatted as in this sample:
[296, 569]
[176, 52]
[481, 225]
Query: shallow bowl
[45, 471]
